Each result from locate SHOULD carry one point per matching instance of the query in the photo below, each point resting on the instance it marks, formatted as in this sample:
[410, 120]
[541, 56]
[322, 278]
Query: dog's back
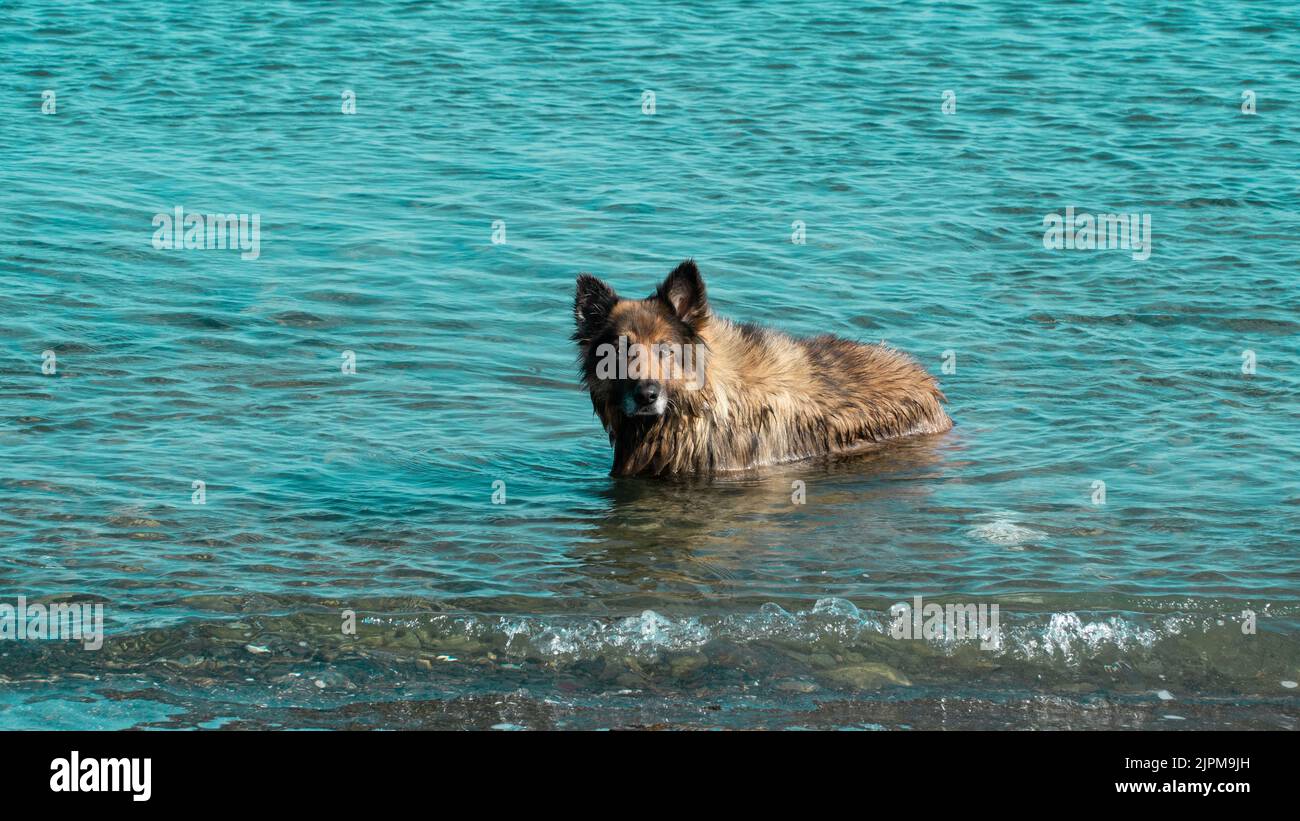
[777, 398]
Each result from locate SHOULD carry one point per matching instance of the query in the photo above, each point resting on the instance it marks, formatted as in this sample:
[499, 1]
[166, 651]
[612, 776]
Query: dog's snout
[645, 397]
[647, 392]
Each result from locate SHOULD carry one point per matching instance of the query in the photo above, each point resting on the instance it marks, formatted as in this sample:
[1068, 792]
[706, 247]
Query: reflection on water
[708, 540]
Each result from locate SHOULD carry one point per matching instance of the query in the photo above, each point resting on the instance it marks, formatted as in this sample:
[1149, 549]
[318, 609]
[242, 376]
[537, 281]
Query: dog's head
[642, 357]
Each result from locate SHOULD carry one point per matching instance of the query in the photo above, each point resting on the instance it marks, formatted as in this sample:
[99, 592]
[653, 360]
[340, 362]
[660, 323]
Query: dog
[684, 392]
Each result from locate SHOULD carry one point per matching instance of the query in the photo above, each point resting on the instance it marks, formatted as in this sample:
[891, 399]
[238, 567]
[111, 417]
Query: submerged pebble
[868, 676]
[685, 665]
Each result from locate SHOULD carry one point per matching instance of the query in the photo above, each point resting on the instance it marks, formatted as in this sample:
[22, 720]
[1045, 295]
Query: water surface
[583, 601]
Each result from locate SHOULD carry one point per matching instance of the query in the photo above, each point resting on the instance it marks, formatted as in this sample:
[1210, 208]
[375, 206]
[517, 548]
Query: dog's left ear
[683, 290]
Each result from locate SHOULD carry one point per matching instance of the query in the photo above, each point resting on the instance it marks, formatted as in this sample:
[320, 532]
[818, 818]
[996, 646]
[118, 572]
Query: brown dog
[682, 391]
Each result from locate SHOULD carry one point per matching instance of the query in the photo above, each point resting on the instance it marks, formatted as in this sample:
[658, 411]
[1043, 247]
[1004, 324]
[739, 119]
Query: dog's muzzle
[645, 398]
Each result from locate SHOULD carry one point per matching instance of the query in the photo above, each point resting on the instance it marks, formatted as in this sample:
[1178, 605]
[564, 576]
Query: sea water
[350, 480]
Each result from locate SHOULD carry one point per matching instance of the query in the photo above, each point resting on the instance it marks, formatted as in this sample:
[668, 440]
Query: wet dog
[682, 391]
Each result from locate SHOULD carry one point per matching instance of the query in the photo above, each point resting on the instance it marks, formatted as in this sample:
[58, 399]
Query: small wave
[831, 625]
[1005, 532]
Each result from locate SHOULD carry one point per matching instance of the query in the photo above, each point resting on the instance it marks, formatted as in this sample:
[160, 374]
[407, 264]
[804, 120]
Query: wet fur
[767, 397]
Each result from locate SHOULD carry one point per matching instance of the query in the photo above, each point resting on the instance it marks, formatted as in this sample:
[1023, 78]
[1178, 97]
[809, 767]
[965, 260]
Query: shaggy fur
[765, 397]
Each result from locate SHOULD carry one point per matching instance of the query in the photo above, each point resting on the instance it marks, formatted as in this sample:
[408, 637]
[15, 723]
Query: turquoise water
[588, 602]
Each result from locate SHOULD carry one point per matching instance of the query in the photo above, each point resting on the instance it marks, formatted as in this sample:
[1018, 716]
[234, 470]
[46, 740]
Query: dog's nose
[647, 392]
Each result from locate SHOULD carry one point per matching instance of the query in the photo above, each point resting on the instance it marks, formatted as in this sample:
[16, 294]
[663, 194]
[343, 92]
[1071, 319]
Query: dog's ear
[683, 290]
[591, 306]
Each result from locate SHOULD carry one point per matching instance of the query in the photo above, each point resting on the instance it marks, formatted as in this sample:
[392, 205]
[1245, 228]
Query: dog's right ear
[591, 307]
